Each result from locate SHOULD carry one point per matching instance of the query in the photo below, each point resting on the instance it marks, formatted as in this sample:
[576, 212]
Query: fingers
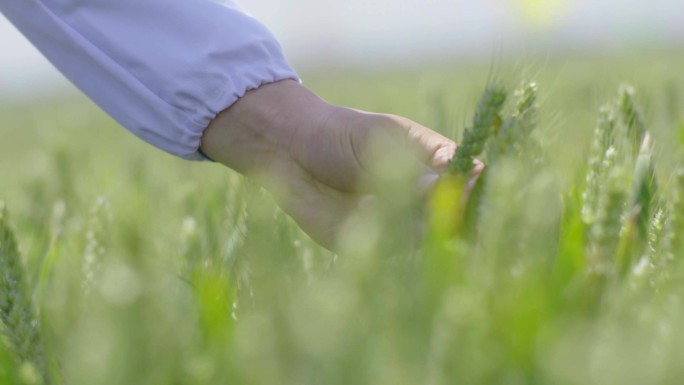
[477, 168]
[430, 147]
[434, 149]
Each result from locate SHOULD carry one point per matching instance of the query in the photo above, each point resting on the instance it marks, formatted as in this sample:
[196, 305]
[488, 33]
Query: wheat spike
[602, 142]
[631, 117]
[515, 132]
[487, 116]
[19, 323]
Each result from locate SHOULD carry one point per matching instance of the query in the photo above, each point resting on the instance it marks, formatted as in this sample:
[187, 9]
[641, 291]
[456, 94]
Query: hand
[313, 155]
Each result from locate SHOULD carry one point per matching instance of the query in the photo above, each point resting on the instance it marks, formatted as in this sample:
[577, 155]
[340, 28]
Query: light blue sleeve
[162, 68]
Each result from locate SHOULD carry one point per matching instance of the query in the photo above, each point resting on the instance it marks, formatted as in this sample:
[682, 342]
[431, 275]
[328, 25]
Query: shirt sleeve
[162, 68]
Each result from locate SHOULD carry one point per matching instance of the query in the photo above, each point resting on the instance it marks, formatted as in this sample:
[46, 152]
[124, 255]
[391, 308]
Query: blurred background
[363, 34]
[112, 231]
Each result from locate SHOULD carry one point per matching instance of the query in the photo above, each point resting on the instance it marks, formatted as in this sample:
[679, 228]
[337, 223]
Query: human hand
[313, 156]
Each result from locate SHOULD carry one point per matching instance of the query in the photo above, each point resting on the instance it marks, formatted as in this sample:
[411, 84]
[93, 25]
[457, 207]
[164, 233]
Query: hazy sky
[377, 32]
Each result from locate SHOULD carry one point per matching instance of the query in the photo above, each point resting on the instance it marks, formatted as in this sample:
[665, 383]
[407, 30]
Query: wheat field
[561, 265]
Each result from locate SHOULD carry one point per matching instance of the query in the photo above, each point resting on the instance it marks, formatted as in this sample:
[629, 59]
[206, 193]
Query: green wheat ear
[487, 119]
[19, 323]
[514, 134]
[639, 211]
[604, 230]
[644, 187]
[526, 110]
[604, 136]
[95, 247]
[631, 117]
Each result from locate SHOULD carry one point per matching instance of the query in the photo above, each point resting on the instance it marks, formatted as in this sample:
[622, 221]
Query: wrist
[265, 127]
